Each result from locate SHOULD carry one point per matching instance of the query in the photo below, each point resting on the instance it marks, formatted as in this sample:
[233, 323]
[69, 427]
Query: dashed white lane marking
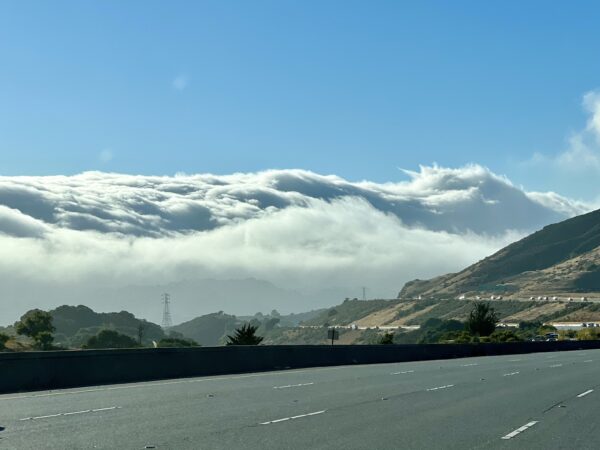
[514, 360]
[519, 430]
[441, 387]
[469, 365]
[583, 394]
[76, 412]
[403, 372]
[556, 365]
[292, 385]
[106, 409]
[510, 374]
[293, 417]
[41, 417]
[70, 413]
[588, 360]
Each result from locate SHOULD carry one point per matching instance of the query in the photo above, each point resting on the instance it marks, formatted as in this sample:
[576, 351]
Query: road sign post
[333, 334]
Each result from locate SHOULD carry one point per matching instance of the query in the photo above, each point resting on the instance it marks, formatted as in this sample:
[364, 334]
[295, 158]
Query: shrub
[110, 339]
[177, 342]
[245, 335]
[482, 319]
[456, 337]
[504, 336]
[587, 334]
[4, 338]
[387, 338]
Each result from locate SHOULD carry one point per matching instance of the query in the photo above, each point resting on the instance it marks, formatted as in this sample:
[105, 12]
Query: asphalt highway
[535, 401]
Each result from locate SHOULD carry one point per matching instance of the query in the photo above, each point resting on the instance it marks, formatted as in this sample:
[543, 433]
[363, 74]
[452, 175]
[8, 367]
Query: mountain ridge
[560, 258]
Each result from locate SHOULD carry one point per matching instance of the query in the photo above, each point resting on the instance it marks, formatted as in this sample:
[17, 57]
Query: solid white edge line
[519, 430]
[583, 394]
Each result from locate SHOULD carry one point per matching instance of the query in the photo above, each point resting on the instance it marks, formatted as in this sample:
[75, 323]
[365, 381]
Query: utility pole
[141, 329]
[333, 334]
[364, 293]
[167, 322]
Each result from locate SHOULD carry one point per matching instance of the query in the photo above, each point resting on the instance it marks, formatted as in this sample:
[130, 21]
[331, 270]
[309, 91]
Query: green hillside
[75, 324]
[208, 330]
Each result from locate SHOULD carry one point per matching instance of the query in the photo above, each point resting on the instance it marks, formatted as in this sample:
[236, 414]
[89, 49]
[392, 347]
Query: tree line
[481, 325]
[36, 325]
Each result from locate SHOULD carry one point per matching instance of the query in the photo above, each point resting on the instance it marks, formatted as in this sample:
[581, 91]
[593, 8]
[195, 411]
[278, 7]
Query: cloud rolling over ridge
[297, 229]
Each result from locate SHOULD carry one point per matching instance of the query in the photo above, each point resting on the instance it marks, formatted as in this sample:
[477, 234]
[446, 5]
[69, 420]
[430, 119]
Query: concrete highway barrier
[29, 371]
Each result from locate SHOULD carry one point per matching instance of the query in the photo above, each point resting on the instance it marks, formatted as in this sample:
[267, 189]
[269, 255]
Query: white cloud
[180, 82]
[454, 200]
[291, 227]
[583, 149]
[15, 223]
[591, 102]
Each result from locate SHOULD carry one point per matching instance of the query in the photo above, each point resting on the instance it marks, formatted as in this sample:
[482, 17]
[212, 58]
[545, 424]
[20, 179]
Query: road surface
[536, 401]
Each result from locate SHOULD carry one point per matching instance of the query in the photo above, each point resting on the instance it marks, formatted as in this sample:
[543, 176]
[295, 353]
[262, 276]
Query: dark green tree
[269, 324]
[505, 336]
[37, 325]
[530, 325]
[110, 339]
[245, 335]
[44, 340]
[482, 319]
[387, 338]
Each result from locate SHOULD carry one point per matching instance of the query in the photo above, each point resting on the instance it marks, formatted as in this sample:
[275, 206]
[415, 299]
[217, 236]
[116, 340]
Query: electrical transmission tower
[364, 293]
[166, 320]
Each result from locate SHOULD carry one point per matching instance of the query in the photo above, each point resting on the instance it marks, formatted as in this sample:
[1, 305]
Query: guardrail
[31, 371]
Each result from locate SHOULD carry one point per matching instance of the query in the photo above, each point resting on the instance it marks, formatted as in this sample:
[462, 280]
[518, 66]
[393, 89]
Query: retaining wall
[30, 371]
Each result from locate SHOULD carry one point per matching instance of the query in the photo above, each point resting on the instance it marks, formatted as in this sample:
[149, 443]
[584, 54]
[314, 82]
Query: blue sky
[356, 89]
